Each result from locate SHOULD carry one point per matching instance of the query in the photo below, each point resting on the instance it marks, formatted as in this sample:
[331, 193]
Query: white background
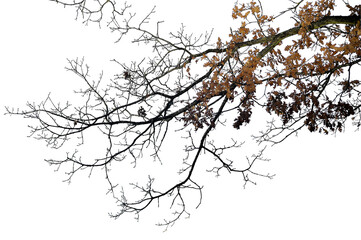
[315, 194]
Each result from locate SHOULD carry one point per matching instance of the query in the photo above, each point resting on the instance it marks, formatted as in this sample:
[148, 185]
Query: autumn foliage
[295, 74]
